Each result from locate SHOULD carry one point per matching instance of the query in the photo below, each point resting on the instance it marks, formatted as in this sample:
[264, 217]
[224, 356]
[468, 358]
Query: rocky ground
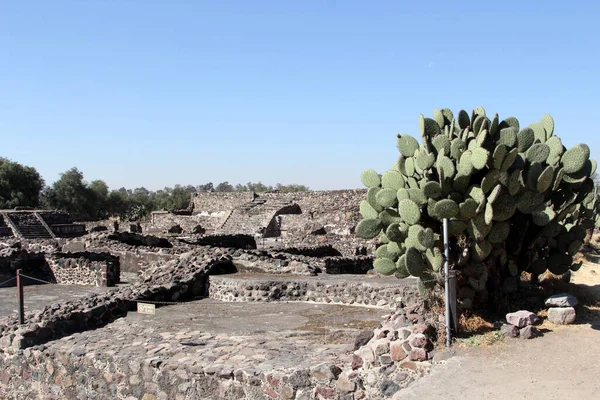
[563, 364]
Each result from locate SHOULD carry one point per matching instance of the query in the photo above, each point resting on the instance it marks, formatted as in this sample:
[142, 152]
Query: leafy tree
[224, 187]
[19, 185]
[72, 194]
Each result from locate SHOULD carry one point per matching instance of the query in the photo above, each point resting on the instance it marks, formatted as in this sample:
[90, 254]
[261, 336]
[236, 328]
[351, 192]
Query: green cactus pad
[402, 194]
[438, 117]
[479, 158]
[533, 173]
[468, 209]
[542, 218]
[510, 122]
[509, 160]
[548, 123]
[445, 167]
[538, 132]
[546, 179]
[383, 238]
[488, 213]
[394, 233]
[498, 156]
[446, 208]
[432, 190]
[499, 232]
[417, 196]
[367, 211]
[461, 183]
[539, 153]
[407, 145]
[426, 238]
[394, 250]
[401, 271]
[456, 227]
[507, 137]
[476, 193]
[448, 115]
[556, 150]
[370, 178]
[428, 127]
[412, 183]
[409, 166]
[434, 259]
[386, 198]
[529, 201]
[525, 139]
[457, 147]
[409, 211]
[463, 119]
[574, 247]
[425, 160]
[372, 198]
[489, 180]
[414, 262]
[384, 266]
[504, 207]
[574, 159]
[392, 180]
[368, 228]
[442, 144]
[465, 165]
[481, 250]
[382, 252]
[389, 216]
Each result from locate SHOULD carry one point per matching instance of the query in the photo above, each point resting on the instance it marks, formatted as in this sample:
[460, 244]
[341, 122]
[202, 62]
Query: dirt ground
[563, 364]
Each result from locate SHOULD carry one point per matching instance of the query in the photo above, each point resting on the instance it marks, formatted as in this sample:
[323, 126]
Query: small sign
[145, 308]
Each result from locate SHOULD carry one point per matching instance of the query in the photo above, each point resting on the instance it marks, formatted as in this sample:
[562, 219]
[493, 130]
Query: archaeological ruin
[294, 256]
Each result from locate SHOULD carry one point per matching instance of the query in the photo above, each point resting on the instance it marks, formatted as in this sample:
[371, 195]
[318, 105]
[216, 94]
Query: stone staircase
[28, 226]
[251, 217]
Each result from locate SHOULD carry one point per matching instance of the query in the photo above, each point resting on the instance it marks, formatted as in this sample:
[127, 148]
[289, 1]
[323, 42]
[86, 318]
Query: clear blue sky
[154, 93]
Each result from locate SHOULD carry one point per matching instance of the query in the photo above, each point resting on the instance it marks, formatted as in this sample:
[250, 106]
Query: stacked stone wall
[89, 269]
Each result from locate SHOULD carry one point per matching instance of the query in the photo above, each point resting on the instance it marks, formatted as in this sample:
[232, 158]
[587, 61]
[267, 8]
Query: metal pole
[447, 282]
[20, 298]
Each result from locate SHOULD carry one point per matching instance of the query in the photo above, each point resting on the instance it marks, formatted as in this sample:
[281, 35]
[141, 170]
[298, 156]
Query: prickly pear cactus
[516, 199]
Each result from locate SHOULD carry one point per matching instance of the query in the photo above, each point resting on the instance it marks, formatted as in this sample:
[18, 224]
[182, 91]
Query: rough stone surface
[509, 330]
[363, 338]
[529, 332]
[561, 315]
[521, 318]
[561, 300]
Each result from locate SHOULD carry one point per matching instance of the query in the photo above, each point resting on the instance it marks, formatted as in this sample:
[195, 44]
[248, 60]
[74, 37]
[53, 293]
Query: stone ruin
[38, 224]
[91, 347]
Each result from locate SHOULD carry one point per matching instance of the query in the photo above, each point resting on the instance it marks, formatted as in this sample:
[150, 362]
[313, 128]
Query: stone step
[355, 290]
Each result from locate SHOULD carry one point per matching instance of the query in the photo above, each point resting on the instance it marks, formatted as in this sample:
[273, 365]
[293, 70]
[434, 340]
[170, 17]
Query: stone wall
[162, 221]
[367, 292]
[212, 202]
[31, 264]
[88, 269]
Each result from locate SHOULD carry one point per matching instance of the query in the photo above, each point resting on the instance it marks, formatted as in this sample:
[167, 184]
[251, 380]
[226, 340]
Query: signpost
[145, 308]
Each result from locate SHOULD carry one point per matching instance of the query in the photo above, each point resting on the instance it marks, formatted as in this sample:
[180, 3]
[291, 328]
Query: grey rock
[561, 315]
[521, 318]
[509, 330]
[388, 388]
[529, 332]
[363, 338]
[561, 300]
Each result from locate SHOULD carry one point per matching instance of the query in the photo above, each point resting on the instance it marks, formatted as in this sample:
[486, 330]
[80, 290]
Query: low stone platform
[356, 290]
[197, 350]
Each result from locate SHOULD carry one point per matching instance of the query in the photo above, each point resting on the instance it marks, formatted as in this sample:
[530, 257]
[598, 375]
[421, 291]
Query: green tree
[72, 194]
[224, 187]
[19, 185]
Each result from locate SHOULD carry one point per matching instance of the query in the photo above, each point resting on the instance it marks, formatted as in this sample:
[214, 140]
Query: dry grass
[484, 339]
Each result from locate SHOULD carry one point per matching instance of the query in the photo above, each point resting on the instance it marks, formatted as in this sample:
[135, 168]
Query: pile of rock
[561, 309]
[521, 324]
